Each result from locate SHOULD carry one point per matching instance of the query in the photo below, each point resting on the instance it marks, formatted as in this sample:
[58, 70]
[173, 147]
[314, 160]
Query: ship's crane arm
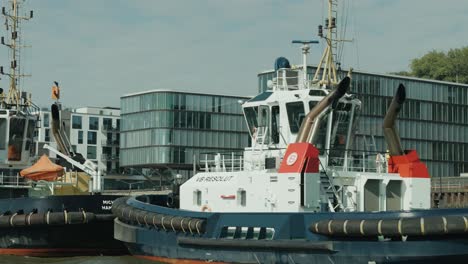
[88, 167]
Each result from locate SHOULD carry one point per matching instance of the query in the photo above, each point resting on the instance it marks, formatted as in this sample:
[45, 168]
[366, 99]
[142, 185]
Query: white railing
[13, 181]
[364, 162]
[221, 162]
[287, 79]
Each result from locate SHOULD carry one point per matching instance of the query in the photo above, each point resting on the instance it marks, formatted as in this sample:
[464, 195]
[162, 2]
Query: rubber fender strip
[361, 227]
[329, 227]
[198, 229]
[290, 245]
[11, 219]
[344, 226]
[379, 227]
[445, 224]
[182, 225]
[172, 225]
[422, 226]
[399, 227]
[466, 223]
[189, 226]
[29, 218]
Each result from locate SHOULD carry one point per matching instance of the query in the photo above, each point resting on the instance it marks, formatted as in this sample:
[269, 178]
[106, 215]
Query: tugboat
[52, 225]
[302, 193]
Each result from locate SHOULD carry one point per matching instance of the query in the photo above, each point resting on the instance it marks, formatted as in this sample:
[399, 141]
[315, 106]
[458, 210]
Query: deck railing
[221, 162]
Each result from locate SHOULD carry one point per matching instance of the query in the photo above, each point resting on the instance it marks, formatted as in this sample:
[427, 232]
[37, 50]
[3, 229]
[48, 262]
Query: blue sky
[101, 50]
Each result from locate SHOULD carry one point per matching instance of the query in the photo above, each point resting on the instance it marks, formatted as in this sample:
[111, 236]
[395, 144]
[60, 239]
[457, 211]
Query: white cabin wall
[266, 192]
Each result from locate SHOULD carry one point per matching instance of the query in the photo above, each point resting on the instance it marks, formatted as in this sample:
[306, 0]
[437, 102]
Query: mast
[326, 69]
[13, 19]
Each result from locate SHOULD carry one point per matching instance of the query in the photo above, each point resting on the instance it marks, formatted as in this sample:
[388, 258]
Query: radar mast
[14, 98]
[326, 69]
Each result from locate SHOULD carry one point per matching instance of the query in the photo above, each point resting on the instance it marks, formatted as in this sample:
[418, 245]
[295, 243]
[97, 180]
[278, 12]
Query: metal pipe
[311, 118]
[389, 129]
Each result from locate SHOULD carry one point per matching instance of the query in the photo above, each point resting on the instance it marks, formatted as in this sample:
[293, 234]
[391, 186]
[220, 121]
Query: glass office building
[434, 119]
[167, 129]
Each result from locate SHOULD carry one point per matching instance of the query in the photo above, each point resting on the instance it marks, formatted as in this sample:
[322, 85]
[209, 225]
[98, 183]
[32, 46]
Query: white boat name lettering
[214, 178]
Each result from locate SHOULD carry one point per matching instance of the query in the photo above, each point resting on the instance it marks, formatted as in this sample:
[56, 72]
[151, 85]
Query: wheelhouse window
[275, 124]
[295, 115]
[320, 134]
[30, 133]
[3, 131]
[76, 122]
[15, 142]
[251, 115]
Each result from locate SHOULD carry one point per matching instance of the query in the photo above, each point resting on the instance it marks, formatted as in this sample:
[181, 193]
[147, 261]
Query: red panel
[300, 157]
[231, 196]
[408, 165]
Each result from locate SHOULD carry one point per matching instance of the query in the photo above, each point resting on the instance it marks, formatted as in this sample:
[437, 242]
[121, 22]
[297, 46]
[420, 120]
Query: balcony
[110, 143]
[110, 129]
[107, 157]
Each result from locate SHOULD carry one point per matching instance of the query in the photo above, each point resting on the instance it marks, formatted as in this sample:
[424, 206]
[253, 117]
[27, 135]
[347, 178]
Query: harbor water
[75, 260]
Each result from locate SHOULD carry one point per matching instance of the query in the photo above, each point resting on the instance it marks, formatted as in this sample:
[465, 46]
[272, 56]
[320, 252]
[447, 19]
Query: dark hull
[293, 241]
[91, 236]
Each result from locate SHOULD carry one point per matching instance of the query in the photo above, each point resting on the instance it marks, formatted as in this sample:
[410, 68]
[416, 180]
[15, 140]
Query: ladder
[329, 190]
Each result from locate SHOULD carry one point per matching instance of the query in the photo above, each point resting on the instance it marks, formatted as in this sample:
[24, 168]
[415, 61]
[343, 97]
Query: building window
[93, 123]
[46, 120]
[118, 124]
[92, 137]
[80, 137]
[76, 122]
[107, 123]
[91, 153]
[47, 135]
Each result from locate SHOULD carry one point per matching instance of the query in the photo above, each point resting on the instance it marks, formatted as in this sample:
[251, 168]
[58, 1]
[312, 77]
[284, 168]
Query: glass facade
[433, 120]
[162, 128]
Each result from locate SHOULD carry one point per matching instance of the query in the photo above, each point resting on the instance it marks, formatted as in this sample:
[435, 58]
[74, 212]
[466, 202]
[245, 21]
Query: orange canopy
[44, 169]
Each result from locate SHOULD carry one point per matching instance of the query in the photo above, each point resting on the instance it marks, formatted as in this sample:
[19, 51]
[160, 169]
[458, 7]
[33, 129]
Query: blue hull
[293, 241]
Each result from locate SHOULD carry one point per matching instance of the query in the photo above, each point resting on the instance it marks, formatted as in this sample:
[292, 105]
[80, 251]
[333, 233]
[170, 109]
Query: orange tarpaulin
[44, 169]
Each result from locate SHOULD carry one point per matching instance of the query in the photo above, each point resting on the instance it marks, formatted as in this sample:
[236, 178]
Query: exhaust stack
[390, 132]
[311, 118]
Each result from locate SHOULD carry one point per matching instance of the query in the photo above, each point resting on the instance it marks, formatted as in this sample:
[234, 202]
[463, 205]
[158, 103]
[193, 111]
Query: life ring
[206, 208]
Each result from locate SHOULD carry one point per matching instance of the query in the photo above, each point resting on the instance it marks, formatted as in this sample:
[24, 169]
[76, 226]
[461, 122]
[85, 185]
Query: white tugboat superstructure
[344, 180]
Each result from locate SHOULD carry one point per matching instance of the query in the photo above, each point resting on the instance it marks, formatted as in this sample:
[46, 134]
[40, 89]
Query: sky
[101, 50]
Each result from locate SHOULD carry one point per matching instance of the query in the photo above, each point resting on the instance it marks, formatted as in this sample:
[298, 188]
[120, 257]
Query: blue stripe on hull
[151, 242]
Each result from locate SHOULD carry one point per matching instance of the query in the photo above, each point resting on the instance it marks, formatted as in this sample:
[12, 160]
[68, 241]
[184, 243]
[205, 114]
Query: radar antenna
[326, 69]
[305, 51]
[14, 43]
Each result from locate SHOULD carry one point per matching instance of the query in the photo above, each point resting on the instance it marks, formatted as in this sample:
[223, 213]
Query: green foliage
[451, 66]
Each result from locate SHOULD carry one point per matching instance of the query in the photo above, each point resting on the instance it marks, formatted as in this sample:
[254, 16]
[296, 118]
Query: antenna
[305, 51]
[13, 42]
[326, 67]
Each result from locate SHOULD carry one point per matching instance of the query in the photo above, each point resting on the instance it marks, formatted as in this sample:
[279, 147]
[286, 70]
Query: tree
[451, 66]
